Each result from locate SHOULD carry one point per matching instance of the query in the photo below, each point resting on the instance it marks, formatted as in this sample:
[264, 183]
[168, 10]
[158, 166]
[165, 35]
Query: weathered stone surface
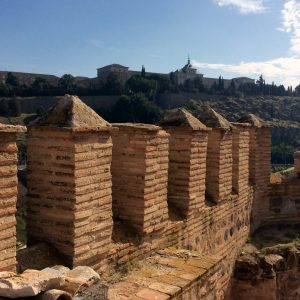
[187, 157]
[28, 284]
[69, 192]
[169, 274]
[71, 112]
[87, 274]
[253, 120]
[54, 295]
[139, 175]
[8, 195]
[69, 182]
[183, 119]
[212, 119]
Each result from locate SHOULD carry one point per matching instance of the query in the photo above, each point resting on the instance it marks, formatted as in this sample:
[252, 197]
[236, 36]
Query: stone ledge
[164, 275]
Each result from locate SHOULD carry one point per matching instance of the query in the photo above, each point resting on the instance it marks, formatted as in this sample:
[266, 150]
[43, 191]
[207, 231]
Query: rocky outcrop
[268, 273]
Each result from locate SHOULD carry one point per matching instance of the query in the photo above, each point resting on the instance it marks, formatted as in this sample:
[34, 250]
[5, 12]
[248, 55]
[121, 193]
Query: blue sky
[223, 37]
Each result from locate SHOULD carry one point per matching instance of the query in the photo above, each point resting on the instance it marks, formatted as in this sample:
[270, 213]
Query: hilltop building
[180, 76]
[187, 72]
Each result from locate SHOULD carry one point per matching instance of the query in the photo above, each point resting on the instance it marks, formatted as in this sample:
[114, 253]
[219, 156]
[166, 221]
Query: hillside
[282, 113]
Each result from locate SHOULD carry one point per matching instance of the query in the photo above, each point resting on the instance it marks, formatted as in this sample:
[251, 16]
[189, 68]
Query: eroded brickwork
[284, 200]
[69, 189]
[189, 186]
[140, 177]
[219, 162]
[8, 196]
[260, 168]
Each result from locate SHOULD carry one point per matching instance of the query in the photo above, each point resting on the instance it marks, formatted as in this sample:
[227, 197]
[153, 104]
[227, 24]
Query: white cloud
[291, 24]
[284, 70]
[244, 6]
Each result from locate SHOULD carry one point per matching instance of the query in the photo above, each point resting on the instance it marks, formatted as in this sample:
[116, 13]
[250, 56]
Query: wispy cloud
[244, 6]
[291, 24]
[284, 69]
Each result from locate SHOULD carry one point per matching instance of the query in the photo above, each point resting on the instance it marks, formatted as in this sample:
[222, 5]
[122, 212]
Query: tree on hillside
[297, 90]
[40, 85]
[261, 85]
[4, 90]
[113, 85]
[138, 84]
[220, 84]
[213, 89]
[231, 90]
[67, 83]
[14, 107]
[11, 79]
[136, 108]
[198, 84]
[143, 73]
[163, 83]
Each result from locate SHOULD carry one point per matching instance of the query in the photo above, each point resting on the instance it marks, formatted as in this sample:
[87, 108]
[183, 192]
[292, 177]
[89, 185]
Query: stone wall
[139, 172]
[8, 196]
[284, 201]
[190, 185]
[69, 183]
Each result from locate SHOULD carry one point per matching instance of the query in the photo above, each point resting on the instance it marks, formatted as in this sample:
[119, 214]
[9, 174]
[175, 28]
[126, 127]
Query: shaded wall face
[69, 192]
[260, 170]
[8, 199]
[140, 178]
[219, 165]
[51, 184]
[284, 203]
[93, 206]
[187, 163]
[240, 163]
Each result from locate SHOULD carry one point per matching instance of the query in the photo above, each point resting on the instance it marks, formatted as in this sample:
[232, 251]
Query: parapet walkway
[169, 274]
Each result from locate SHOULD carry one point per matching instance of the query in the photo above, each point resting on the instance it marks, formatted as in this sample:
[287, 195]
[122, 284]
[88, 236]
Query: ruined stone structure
[69, 182]
[284, 200]
[139, 168]
[8, 195]
[180, 196]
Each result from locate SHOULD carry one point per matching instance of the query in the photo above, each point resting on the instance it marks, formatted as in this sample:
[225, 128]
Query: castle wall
[69, 192]
[187, 164]
[284, 200]
[191, 189]
[219, 165]
[8, 200]
[260, 170]
[240, 155]
[139, 170]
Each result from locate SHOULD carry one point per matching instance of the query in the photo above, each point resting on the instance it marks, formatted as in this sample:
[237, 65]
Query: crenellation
[61, 169]
[8, 195]
[187, 155]
[104, 195]
[240, 158]
[139, 170]
[259, 166]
